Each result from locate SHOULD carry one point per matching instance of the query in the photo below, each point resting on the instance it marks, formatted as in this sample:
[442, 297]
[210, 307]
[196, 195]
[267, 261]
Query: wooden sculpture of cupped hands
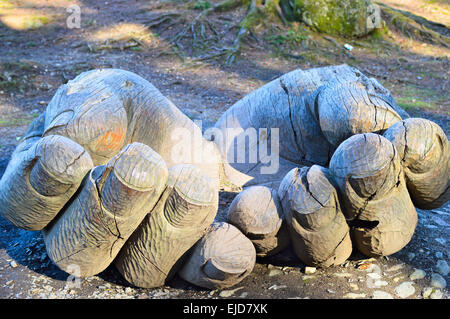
[114, 173]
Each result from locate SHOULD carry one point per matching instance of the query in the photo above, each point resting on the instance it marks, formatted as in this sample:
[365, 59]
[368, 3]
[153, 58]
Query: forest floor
[38, 53]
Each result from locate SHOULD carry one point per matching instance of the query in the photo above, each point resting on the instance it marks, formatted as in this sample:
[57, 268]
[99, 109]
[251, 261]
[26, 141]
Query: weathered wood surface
[181, 217]
[377, 205]
[424, 151]
[318, 229]
[257, 213]
[222, 258]
[113, 201]
[41, 177]
[314, 110]
[104, 110]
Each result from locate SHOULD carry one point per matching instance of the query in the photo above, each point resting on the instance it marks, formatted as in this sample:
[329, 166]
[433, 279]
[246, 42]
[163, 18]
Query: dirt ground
[38, 53]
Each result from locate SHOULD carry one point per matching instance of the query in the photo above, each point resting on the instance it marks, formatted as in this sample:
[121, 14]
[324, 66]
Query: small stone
[442, 267]
[379, 294]
[310, 270]
[380, 283]
[365, 266]
[229, 293]
[417, 274]
[128, 290]
[397, 279]
[437, 294]
[330, 291]
[405, 289]
[411, 256]
[354, 286]
[343, 274]
[13, 264]
[374, 275]
[352, 295]
[276, 287]
[395, 268]
[439, 255]
[275, 272]
[9, 282]
[426, 292]
[308, 277]
[438, 281]
[243, 295]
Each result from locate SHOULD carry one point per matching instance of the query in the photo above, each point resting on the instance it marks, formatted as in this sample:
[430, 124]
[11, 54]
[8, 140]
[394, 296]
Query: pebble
[276, 287]
[306, 277]
[426, 292]
[310, 270]
[417, 274]
[405, 289]
[437, 294]
[380, 283]
[379, 294]
[442, 267]
[343, 274]
[352, 295]
[354, 286]
[243, 295]
[397, 279]
[229, 293]
[395, 268]
[275, 272]
[374, 275]
[439, 255]
[13, 264]
[438, 281]
[411, 256]
[330, 291]
[441, 241]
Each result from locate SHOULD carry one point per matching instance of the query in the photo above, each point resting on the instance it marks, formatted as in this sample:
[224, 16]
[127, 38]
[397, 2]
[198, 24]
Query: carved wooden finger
[257, 213]
[222, 258]
[110, 206]
[319, 232]
[424, 151]
[370, 177]
[104, 110]
[343, 109]
[183, 213]
[41, 177]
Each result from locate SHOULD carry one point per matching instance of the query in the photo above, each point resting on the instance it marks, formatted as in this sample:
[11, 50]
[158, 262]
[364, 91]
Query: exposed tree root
[416, 27]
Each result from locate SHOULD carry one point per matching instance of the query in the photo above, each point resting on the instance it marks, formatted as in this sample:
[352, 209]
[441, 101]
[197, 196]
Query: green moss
[36, 22]
[345, 18]
[17, 120]
[411, 97]
[202, 5]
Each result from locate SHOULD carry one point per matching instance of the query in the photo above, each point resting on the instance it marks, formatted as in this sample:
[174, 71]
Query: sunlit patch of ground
[124, 35]
[434, 10]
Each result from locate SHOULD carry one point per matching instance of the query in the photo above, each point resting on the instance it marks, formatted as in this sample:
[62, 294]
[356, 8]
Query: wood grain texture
[314, 110]
[424, 151]
[221, 259]
[257, 213]
[185, 210]
[104, 110]
[41, 177]
[370, 178]
[111, 204]
[318, 229]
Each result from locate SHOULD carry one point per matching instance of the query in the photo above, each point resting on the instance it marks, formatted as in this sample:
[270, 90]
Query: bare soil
[35, 59]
